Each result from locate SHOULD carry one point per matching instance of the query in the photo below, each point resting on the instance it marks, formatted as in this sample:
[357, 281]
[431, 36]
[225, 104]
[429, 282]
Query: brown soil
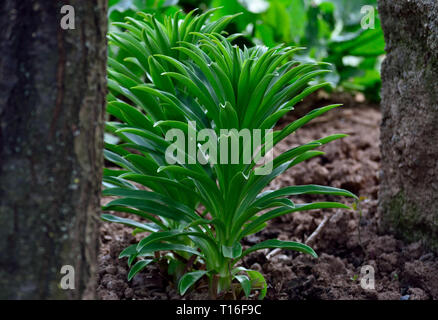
[348, 242]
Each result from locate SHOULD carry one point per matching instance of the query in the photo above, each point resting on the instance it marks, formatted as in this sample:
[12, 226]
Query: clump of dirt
[348, 241]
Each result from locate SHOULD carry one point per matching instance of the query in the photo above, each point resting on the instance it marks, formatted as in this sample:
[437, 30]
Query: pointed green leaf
[136, 268]
[189, 279]
[288, 245]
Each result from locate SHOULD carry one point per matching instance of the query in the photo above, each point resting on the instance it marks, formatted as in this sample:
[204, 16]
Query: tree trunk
[408, 196]
[53, 88]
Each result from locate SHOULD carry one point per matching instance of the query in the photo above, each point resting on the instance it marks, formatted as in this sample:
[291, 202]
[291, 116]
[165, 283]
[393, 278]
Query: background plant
[184, 70]
[329, 29]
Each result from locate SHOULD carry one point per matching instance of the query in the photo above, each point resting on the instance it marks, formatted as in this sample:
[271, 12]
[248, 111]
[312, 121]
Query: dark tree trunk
[409, 133]
[52, 101]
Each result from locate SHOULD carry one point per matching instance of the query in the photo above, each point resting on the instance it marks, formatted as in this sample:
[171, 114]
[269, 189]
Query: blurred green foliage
[329, 29]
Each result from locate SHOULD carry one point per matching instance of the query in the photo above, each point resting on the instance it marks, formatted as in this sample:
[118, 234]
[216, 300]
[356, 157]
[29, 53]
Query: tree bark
[53, 89]
[409, 130]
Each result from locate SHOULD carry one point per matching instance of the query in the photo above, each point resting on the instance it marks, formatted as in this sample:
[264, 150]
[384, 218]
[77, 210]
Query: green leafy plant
[330, 29]
[192, 79]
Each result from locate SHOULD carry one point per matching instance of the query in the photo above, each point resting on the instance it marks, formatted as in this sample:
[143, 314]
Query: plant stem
[214, 286]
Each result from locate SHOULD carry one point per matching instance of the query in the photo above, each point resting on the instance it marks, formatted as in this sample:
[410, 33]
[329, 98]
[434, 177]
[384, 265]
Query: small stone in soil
[257, 267]
[111, 269]
[116, 285]
[122, 273]
[129, 293]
